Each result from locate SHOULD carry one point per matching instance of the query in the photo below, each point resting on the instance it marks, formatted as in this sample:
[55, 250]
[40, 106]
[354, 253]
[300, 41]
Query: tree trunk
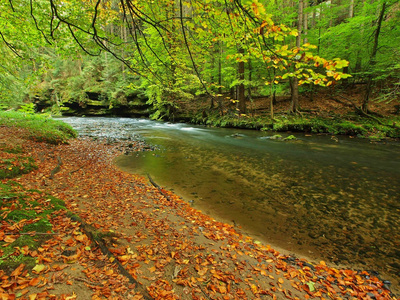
[241, 88]
[305, 23]
[250, 78]
[294, 82]
[372, 60]
[351, 9]
[294, 88]
[220, 69]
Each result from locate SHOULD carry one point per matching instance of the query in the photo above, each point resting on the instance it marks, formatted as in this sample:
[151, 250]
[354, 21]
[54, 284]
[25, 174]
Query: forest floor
[321, 102]
[120, 237]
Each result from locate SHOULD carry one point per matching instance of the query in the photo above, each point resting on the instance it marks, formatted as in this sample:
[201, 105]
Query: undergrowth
[39, 128]
[25, 214]
[352, 125]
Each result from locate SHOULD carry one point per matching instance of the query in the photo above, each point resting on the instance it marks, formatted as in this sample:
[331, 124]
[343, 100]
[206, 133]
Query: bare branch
[11, 47]
[37, 25]
[188, 48]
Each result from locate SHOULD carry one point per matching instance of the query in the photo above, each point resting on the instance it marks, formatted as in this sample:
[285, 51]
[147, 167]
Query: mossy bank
[26, 214]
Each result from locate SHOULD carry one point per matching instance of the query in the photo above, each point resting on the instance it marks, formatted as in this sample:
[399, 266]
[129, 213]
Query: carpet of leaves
[171, 250]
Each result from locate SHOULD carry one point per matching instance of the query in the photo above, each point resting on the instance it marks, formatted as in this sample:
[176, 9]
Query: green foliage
[290, 138]
[39, 128]
[28, 108]
[171, 59]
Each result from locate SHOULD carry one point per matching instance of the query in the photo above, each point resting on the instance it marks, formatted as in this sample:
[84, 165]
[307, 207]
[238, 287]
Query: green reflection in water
[312, 196]
[338, 200]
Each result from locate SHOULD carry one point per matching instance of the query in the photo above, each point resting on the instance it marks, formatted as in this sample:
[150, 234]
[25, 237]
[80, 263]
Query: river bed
[328, 198]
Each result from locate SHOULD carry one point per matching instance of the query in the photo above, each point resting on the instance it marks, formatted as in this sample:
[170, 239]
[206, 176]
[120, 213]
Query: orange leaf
[9, 239]
[81, 238]
[34, 281]
[109, 272]
[18, 270]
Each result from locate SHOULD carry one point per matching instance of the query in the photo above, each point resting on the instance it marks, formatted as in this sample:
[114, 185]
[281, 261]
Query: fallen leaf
[38, 269]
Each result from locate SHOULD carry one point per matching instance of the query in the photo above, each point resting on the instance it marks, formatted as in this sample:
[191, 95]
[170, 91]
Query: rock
[276, 137]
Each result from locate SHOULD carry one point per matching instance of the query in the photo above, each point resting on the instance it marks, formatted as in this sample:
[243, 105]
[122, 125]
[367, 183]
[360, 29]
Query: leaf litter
[157, 245]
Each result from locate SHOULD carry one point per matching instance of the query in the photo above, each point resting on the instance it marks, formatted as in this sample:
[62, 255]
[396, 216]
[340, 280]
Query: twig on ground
[57, 168]
[87, 281]
[158, 187]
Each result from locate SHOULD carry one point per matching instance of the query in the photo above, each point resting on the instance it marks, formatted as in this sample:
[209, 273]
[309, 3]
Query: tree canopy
[176, 49]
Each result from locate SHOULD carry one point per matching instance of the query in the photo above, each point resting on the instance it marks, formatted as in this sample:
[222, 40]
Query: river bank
[330, 111]
[171, 250]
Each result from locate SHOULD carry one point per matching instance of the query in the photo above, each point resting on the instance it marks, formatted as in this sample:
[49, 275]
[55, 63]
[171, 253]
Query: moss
[14, 167]
[13, 150]
[43, 225]
[18, 215]
[351, 124]
[40, 127]
[12, 262]
[25, 240]
[55, 201]
[290, 138]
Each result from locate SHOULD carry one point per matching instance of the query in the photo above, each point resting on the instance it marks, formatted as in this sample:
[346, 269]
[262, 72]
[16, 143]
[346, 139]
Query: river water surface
[335, 199]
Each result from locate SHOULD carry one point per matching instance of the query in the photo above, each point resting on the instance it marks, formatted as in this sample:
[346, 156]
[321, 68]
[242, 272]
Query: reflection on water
[331, 200]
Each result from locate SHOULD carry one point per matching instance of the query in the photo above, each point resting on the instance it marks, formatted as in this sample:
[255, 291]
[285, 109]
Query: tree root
[99, 241]
[57, 168]
[158, 187]
[358, 109]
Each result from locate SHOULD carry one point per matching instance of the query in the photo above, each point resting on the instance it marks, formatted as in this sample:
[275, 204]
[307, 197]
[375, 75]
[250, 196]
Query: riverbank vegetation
[163, 60]
[38, 127]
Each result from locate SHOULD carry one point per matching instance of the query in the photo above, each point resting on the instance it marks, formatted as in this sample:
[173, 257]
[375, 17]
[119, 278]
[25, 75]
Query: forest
[146, 205]
[223, 63]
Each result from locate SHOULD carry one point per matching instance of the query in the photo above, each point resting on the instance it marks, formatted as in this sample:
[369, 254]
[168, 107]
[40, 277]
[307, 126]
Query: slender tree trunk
[350, 15]
[294, 82]
[171, 14]
[124, 38]
[351, 9]
[372, 60]
[250, 66]
[305, 22]
[241, 88]
[220, 69]
[273, 95]
[314, 17]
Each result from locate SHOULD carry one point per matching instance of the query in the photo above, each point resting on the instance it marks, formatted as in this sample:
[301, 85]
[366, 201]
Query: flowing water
[327, 198]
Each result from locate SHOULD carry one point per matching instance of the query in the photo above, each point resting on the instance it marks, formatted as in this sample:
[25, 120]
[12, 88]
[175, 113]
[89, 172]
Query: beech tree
[169, 43]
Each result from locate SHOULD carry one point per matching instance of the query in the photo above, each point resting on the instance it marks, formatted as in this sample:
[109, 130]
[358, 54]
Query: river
[334, 199]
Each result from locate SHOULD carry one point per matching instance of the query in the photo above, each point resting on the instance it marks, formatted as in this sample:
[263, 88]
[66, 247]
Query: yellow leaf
[109, 272]
[38, 269]
[32, 296]
[152, 269]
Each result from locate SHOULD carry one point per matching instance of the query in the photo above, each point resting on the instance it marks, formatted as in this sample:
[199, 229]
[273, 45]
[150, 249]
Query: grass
[39, 127]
